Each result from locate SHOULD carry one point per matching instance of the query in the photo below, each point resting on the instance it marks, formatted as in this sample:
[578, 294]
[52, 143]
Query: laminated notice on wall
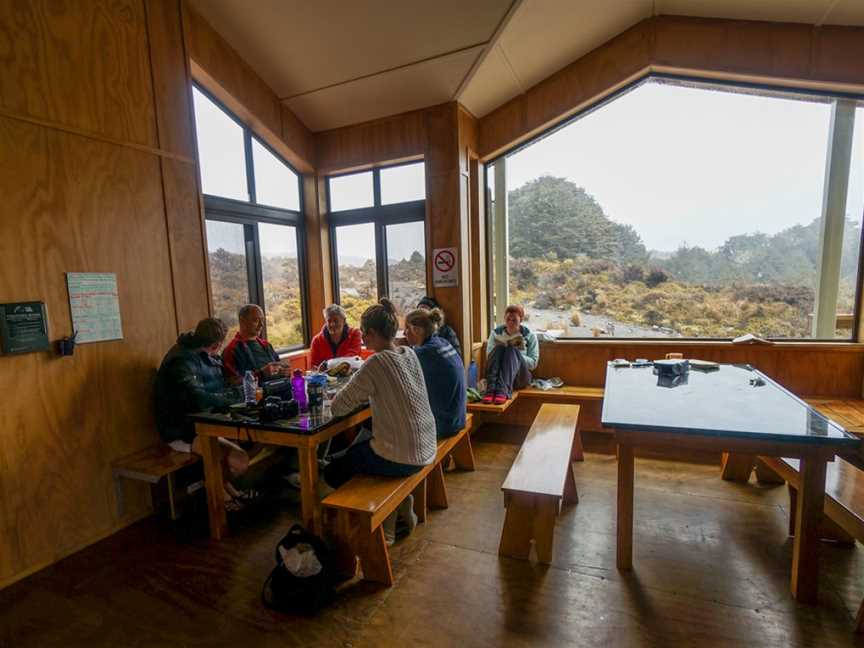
[95, 306]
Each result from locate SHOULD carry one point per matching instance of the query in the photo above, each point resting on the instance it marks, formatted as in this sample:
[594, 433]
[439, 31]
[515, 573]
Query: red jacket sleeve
[354, 342]
[319, 351]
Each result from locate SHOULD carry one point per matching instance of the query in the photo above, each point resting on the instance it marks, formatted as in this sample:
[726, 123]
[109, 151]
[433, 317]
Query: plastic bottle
[298, 388]
[250, 385]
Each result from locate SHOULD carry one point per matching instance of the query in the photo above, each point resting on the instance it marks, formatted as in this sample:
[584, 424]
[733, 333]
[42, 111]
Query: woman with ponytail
[442, 370]
[403, 438]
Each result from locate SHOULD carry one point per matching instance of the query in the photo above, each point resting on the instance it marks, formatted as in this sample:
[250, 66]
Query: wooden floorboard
[711, 568]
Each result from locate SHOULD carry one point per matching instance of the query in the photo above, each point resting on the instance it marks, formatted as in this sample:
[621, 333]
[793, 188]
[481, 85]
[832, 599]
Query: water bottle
[250, 385]
[298, 388]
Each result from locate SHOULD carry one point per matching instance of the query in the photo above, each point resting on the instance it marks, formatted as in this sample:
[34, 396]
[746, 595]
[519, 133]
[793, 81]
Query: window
[378, 232]
[357, 270]
[254, 232]
[686, 210]
[406, 264]
[352, 191]
[226, 249]
[220, 150]
[403, 183]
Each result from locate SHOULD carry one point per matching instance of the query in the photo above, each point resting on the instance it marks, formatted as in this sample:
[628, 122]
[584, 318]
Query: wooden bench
[843, 519]
[540, 478]
[150, 465]
[565, 394]
[358, 508]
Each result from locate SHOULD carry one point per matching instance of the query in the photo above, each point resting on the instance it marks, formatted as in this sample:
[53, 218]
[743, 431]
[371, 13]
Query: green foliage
[554, 218]
[568, 255]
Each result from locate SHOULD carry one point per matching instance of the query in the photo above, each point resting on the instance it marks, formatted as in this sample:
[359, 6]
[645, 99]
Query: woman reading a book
[512, 354]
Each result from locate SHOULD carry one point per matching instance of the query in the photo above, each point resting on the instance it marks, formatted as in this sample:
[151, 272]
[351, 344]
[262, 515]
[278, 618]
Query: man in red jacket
[248, 351]
[336, 339]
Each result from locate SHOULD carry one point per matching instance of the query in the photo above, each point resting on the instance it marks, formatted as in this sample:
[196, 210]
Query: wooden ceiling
[335, 63]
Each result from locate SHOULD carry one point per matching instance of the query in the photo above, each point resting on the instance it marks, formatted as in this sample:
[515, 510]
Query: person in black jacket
[444, 330]
[190, 380]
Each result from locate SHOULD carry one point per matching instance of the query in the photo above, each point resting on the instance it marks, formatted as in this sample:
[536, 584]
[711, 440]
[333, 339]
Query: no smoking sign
[444, 267]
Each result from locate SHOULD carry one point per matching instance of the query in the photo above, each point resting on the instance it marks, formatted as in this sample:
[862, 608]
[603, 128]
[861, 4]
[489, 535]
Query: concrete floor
[711, 567]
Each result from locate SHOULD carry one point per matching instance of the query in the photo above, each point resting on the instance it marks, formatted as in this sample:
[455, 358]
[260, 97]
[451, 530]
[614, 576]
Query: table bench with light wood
[358, 508]
[566, 394]
[736, 410]
[209, 427]
[539, 480]
[151, 465]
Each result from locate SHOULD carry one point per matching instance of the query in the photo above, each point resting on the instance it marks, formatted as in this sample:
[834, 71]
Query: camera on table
[274, 408]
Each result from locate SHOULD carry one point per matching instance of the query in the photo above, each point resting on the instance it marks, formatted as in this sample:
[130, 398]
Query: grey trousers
[506, 370]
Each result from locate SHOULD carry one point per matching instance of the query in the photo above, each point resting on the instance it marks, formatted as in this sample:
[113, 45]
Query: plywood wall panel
[780, 50]
[83, 64]
[75, 204]
[382, 140]
[838, 54]
[186, 238]
[171, 82]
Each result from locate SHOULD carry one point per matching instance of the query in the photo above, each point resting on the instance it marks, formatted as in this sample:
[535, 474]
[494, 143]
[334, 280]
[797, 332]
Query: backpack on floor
[305, 584]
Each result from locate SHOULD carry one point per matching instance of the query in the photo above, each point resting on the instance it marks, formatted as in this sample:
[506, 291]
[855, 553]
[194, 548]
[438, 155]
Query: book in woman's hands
[505, 339]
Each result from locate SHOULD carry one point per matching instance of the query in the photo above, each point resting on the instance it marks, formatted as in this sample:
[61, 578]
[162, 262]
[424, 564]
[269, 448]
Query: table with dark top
[734, 409]
[304, 432]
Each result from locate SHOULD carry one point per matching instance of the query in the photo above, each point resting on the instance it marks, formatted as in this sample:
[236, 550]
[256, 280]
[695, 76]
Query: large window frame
[380, 216]
[250, 214]
[498, 211]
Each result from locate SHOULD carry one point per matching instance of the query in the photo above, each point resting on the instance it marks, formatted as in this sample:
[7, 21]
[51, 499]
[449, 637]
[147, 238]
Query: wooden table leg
[624, 549]
[808, 520]
[737, 466]
[212, 454]
[309, 489]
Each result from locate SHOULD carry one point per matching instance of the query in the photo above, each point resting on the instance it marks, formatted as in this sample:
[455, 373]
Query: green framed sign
[23, 327]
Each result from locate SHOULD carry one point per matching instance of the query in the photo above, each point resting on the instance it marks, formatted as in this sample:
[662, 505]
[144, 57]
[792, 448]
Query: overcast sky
[681, 165]
[695, 166]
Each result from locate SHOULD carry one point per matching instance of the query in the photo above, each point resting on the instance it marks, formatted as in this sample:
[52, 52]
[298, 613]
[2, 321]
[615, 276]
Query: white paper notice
[95, 306]
[444, 267]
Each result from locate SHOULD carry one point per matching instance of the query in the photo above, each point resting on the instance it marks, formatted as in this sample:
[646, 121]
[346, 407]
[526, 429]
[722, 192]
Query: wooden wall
[97, 173]
[773, 53]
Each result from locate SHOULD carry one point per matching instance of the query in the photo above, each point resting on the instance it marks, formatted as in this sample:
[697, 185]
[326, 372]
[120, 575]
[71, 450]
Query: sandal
[500, 399]
[488, 398]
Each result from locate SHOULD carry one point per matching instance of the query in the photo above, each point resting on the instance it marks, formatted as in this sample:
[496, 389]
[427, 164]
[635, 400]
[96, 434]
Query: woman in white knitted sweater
[403, 439]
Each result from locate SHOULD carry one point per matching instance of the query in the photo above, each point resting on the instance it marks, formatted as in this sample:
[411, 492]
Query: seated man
[336, 339]
[190, 380]
[248, 351]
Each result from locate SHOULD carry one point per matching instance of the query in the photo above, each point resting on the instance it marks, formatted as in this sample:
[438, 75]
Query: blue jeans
[359, 459]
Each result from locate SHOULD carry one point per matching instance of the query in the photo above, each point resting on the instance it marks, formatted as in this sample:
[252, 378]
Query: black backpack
[285, 592]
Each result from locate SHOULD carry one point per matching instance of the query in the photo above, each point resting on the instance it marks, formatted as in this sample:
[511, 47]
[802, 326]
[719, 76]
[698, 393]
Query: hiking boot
[389, 526]
[406, 518]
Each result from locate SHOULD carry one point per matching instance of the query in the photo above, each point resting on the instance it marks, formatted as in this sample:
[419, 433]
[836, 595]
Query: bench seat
[848, 412]
[359, 507]
[844, 500]
[539, 479]
[565, 394]
[150, 465]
